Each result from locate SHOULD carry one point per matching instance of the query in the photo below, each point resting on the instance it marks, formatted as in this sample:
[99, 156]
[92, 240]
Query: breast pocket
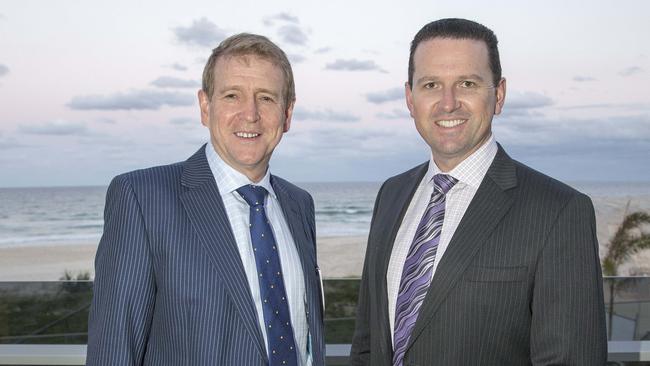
[496, 274]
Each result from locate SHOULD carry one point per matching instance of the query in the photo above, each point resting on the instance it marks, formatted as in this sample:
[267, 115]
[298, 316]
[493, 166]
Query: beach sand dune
[338, 257]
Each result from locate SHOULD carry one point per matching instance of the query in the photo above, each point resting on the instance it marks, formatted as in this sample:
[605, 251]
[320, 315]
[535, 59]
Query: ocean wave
[353, 210]
[56, 239]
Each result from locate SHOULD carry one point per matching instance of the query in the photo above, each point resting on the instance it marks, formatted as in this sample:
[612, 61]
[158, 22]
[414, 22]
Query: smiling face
[247, 114]
[453, 97]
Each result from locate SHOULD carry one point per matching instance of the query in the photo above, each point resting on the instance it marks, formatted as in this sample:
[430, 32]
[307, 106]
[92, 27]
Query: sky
[89, 90]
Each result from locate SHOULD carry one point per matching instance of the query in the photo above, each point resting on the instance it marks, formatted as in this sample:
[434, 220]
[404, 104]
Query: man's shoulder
[415, 173]
[290, 189]
[535, 181]
[546, 194]
[152, 176]
[166, 175]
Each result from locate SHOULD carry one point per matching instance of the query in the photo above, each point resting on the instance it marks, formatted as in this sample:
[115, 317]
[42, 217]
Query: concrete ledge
[337, 354]
[628, 351]
[42, 354]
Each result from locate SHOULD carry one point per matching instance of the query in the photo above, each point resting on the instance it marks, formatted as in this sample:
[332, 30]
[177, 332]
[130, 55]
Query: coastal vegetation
[629, 239]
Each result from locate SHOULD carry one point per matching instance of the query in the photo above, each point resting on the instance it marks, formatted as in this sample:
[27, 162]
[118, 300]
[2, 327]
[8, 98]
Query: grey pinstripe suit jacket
[170, 288]
[519, 284]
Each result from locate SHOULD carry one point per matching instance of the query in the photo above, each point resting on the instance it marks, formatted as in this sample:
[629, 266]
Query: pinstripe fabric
[469, 173]
[170, 288]
[519, 284]
[228, 180]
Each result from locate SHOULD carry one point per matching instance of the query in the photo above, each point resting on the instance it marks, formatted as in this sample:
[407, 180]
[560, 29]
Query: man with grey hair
[212, 261]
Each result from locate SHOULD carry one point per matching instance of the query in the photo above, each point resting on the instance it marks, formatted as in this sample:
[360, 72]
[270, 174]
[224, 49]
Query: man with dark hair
[212, 261]
[474, 258]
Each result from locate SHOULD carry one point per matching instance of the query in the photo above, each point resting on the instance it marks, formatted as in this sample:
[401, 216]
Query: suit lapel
[204, 206]
[396, 205]
[298, 226]
[490, 203]
[296, 222]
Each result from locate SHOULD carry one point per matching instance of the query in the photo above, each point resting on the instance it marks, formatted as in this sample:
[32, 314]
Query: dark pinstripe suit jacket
[519, 284]
[170, 288]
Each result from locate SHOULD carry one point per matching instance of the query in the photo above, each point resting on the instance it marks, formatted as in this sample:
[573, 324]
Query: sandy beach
[338, 257]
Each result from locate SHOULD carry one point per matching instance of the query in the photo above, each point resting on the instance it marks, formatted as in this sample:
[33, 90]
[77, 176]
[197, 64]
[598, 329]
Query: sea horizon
[58, 215]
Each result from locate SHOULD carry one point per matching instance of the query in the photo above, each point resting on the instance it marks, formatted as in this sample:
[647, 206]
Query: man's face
[453, 97]
[247, 114]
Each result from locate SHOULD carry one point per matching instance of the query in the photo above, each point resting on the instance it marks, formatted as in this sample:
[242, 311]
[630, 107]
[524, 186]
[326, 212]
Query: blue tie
[277, 321]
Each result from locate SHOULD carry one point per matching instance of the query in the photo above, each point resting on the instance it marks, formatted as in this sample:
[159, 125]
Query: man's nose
[250, 111]
[449, 100]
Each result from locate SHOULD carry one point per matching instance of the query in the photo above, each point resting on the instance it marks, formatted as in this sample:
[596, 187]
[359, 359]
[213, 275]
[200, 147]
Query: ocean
[70, 215]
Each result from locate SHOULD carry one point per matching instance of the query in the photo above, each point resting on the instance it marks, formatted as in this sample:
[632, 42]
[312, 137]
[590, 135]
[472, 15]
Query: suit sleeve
[360, 350]
[124, 287]
[568, 316]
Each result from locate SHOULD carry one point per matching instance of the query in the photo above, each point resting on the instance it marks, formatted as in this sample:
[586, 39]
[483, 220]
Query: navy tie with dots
[277, 320]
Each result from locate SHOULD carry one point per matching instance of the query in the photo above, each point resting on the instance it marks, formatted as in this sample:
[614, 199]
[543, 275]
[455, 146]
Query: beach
[338, 256]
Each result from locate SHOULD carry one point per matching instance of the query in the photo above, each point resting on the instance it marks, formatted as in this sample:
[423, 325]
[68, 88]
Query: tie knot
[253, 195]
[444, 182]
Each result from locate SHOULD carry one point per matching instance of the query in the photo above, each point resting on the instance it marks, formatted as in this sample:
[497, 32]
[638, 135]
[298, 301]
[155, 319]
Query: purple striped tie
[416, 275]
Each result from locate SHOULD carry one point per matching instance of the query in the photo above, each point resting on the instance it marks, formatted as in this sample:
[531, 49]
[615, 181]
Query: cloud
[580, 78]
[526, 100]
[132, 100]
[627, 106]
[632, 70]
[386, 96]
[353, 65]
[395, 114]
[609, 148]
[10, 143]
[282, 17]
[54, 128]
[296, 58]
[202, 33]
[323, 50]
[541, 131]
[178, 67]
[324, 115]
[182, 121]
[105, 120]
[4, 70]
[172, 82]
[293, 34]
[289, 31]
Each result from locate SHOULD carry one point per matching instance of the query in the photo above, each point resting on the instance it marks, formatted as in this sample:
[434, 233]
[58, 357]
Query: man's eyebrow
[257, 90]
[471, 76]
[267, 91]
[227, 88]
[460, 77]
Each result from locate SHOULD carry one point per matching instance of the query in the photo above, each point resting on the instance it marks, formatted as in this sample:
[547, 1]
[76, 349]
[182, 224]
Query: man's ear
[409, 97]
[204, 104]
[501, 96]
[288, 113]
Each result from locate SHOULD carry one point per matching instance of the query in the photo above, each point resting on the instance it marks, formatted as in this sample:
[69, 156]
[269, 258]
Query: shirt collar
[228, 179]
[472, 170]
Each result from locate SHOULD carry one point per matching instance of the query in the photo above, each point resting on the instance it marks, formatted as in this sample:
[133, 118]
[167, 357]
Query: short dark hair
[245, 44]
[456, 28]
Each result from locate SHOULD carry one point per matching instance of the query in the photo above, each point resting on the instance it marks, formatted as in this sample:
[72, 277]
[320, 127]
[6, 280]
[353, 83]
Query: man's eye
[468, 84]
[431, 85]
[230, 96]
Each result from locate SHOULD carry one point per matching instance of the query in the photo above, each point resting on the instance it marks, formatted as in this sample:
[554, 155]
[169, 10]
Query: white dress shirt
[228, 180]
[470, 173]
